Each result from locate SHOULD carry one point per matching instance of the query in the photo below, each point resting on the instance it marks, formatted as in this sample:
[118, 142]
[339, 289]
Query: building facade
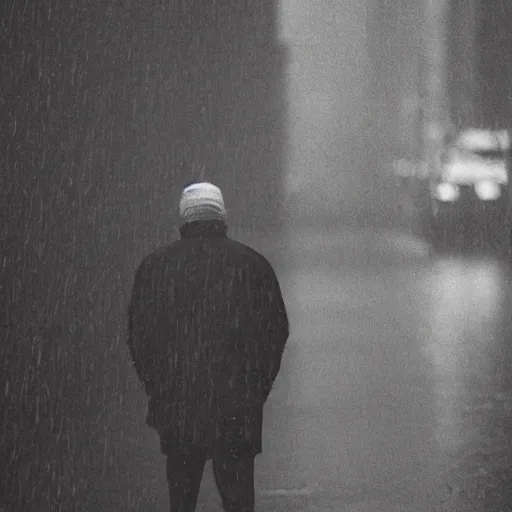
[437, 67]
[108, 109]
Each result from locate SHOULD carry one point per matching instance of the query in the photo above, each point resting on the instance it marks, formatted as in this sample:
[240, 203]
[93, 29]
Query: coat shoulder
[161, 255]
[237, 253]
[251, 257]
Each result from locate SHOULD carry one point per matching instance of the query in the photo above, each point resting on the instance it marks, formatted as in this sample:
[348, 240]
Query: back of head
[202, 203]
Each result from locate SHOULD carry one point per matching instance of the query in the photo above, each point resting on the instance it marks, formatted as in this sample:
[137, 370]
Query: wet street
[395, 392]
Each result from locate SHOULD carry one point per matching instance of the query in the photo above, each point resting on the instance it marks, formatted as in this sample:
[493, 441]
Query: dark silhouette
[207, 329]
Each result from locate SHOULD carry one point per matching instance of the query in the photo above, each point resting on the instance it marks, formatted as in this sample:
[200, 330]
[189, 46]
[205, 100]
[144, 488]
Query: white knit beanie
[202, 201]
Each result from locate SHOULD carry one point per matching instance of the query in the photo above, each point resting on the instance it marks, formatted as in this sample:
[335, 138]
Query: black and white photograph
[255, 256]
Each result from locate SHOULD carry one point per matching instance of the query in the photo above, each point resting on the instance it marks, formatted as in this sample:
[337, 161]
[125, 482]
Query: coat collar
[204, 229]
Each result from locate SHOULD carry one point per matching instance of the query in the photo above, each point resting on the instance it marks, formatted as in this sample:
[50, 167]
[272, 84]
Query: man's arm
[144, 326]
[274, 326]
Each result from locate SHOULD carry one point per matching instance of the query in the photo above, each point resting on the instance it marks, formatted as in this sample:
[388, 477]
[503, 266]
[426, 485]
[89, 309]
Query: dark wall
[107, 109]
[494, 42]
[479, 63]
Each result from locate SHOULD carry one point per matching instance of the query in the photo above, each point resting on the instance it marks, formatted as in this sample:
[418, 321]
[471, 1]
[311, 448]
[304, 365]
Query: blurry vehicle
[469, 191]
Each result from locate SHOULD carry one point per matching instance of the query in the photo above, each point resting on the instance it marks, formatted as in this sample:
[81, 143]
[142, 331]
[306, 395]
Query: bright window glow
[447, 192]
[487, 190]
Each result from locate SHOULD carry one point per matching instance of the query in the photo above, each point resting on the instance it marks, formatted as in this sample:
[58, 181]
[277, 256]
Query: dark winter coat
[207, 329]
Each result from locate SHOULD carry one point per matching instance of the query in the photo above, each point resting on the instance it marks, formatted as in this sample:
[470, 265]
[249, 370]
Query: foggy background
[365, 79]
[298, 111]
[329, 86]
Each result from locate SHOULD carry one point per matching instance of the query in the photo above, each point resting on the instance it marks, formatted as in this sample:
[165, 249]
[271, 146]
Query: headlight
[487, 190]
[447, 192]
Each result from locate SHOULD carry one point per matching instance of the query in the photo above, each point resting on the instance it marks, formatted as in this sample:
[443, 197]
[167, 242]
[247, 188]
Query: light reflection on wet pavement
[395, 389]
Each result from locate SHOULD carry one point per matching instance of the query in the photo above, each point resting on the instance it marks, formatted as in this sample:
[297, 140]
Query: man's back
[211, 314]
[212, 281]
[207, 329]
